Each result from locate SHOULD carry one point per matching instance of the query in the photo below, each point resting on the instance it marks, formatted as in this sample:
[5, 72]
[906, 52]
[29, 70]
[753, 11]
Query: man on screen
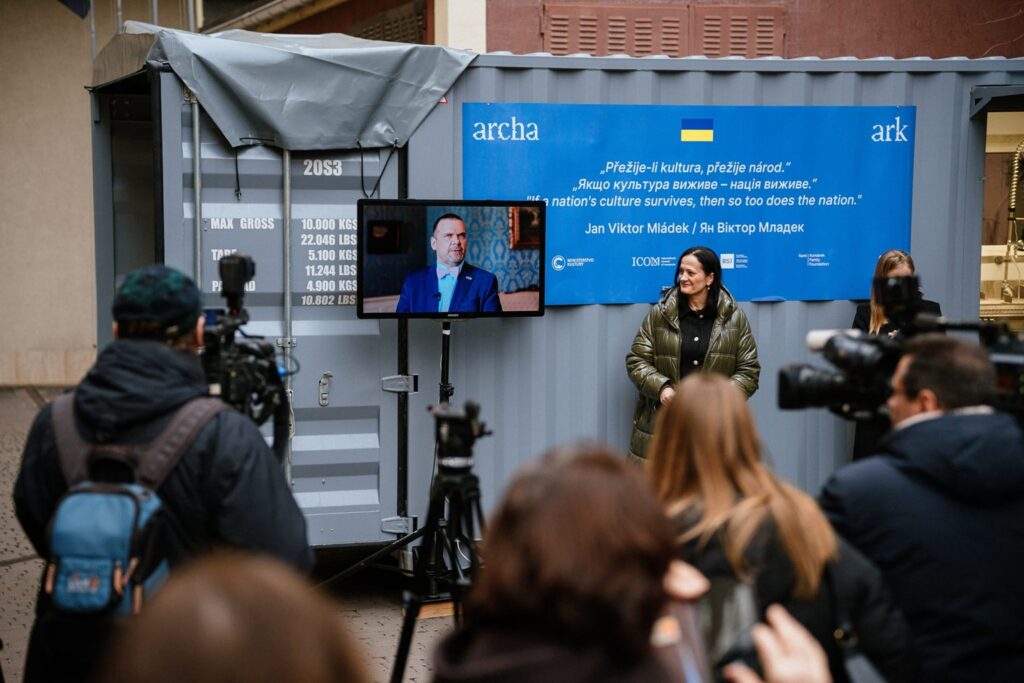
[452, 285]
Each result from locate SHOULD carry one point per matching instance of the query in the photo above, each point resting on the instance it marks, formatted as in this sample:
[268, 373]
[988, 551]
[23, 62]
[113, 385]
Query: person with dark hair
[940, 510]
[575, 556]
[735, 520]
[870, 318]
[235, 617]
[452, 285]
[227, 488]
[696, 326]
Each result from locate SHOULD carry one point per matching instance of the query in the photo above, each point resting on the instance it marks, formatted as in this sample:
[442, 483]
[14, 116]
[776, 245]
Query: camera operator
[226, 490]
[940, 510]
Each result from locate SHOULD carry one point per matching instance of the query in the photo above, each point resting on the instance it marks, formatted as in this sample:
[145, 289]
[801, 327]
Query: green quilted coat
[653, 360]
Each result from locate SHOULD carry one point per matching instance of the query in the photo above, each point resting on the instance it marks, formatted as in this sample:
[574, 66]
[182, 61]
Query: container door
[343, 462]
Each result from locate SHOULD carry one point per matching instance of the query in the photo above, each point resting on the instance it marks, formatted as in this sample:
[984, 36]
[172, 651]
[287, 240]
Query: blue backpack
[106, 542]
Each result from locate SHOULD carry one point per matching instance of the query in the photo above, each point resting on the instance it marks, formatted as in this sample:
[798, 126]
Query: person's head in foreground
[239, 618]
[575, 558]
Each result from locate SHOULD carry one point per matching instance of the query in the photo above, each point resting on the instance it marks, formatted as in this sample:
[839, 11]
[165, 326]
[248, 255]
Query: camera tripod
[439, 566]
[454, 514]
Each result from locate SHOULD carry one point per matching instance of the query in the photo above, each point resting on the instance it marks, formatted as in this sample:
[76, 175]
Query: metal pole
[192, 15]
[92, 30]
[286, 158]
[155, 12]
[120, 18]
[197, 191]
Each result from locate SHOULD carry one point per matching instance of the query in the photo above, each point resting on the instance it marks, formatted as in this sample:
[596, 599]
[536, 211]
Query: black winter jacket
[227, 490]
[491, 655]
[858, 585]
[940, 510]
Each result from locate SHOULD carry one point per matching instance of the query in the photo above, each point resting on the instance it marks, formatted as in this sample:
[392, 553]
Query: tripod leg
[479, 512]
[425, 576]
[387, 550]
[412, 603]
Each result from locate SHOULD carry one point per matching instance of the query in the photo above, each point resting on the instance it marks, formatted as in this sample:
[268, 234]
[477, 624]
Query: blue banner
[798, 201]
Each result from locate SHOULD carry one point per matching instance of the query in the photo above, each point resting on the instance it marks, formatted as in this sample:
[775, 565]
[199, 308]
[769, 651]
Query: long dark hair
[711, 265]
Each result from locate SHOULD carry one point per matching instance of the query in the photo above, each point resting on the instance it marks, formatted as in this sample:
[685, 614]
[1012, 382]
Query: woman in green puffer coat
[696, 326]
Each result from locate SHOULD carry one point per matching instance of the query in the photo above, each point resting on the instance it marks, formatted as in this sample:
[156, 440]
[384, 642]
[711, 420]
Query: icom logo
[652, 261]
[558, 262]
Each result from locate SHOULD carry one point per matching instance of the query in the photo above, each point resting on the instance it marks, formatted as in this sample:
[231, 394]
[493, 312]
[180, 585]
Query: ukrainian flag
[697, 130]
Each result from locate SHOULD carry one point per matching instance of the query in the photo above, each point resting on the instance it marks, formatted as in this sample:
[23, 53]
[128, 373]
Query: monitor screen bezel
[454, 204]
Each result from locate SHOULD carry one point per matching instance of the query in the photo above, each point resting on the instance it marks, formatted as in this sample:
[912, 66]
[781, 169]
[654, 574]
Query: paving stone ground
[369, 602]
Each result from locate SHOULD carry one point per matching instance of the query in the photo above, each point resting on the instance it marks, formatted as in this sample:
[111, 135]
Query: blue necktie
[446, 285]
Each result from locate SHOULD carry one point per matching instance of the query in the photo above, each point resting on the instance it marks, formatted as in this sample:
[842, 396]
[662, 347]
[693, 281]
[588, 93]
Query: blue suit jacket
[475, 292]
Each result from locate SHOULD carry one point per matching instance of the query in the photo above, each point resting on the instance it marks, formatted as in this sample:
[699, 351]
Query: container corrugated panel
[546, 381]
[343, 465]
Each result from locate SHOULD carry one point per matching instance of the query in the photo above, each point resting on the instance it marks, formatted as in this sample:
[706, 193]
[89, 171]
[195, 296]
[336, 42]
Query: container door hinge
[400, 384]
[325, 388]
[399, 526]
[287, 342]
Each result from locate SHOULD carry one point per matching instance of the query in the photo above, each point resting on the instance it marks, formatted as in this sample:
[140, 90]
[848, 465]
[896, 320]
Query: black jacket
[491, 655]
[883, 633]
[940, 510]
[228, 489]
[862, 316]
[868, 433]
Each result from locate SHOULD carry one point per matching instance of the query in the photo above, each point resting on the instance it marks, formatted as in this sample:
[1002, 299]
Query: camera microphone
[816, 339]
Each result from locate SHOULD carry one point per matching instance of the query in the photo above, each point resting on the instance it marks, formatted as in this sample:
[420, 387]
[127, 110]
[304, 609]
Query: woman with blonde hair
[736, 520]
[870, 315]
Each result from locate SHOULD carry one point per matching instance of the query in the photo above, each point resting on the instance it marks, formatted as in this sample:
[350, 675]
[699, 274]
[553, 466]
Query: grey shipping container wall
[539, 381]
[545, 381]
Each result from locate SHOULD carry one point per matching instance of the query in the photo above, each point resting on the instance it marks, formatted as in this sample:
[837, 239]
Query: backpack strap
[158, 457]
[72, 450]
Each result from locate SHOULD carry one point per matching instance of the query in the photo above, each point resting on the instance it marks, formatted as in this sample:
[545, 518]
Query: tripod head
[456, 430]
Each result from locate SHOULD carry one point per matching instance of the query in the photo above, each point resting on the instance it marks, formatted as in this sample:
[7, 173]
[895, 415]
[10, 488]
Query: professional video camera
[244, 373]
[859, 387]
[456, 430]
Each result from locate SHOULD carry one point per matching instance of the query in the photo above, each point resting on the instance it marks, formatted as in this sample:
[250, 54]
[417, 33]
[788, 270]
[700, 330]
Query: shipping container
[362, 454]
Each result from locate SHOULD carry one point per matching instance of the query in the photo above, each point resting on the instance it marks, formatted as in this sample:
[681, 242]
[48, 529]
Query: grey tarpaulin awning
[296, 92]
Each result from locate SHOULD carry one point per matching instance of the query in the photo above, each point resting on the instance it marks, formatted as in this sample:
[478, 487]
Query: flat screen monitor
[449, 258]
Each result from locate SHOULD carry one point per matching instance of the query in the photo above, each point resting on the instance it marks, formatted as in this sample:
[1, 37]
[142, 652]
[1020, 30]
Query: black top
[495, 655]
[695, 337]
[884, 636]
[862, 318]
